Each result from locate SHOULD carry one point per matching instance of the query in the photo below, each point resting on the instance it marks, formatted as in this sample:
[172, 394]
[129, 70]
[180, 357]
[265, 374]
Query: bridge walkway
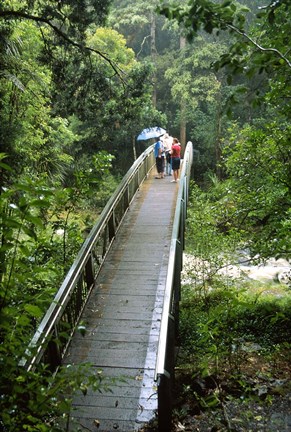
[123, 314]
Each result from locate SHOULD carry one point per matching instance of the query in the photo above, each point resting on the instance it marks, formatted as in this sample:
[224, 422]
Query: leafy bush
[225, 320]
[220, 315]
[40, 401]
[41, 233]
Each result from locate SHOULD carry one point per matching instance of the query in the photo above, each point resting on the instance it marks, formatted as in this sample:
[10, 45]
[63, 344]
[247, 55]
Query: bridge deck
[123, 315]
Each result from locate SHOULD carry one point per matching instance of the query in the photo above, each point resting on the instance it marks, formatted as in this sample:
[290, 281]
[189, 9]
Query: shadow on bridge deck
[123, 315]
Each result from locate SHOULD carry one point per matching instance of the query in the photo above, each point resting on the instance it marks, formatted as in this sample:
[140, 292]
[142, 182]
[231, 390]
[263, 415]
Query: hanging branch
[19, 14]
[273, 50]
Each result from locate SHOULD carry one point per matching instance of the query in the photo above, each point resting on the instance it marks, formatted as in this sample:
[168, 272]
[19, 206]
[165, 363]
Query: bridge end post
[165, 402]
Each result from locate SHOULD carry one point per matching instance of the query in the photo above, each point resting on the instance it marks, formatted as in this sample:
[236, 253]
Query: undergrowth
[235, 333]
[234, 344]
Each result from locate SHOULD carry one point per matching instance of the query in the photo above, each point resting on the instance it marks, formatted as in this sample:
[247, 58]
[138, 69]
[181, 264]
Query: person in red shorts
[176, 159]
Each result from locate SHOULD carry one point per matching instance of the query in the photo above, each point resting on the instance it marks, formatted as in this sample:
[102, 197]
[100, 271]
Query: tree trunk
[133, 148]
[183, 125]
[218, 136]
[153, 56]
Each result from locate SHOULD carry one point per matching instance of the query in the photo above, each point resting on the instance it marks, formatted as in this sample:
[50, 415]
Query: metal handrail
[52, 337]
[164, 371]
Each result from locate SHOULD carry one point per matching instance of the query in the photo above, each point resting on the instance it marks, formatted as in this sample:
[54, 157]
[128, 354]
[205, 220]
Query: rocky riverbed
[268, 271]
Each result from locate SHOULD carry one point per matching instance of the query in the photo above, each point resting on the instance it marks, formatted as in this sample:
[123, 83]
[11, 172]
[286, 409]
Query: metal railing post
[89, 272]
[54, 354]
[177, 288]
[165, 396]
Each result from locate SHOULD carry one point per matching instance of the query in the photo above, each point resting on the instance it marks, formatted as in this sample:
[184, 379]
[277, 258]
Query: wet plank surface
[123, 315]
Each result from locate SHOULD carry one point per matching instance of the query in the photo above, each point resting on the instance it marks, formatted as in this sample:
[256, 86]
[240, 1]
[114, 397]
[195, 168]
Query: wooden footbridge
[124, 288]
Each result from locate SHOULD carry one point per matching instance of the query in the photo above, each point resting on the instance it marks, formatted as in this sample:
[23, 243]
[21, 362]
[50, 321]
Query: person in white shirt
[167, 142]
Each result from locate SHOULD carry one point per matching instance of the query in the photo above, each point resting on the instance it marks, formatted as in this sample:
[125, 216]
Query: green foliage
[86, 74]
[134, 19]
[199, 96]
[206, 15]
[35, 142]
[76, 15]
[258, 163]
[191, 78]
[206, 240]
[226, 322]
[71, 104]
[256, 49]
[253, 205]
[110, 41]
[217, 328]
[234, 345]
[32, 261]
[40, 236]
[40, 401]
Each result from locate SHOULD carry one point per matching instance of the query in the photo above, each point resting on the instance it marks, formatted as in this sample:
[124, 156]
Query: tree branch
[273, 50]
[19, 14]
[142, 44]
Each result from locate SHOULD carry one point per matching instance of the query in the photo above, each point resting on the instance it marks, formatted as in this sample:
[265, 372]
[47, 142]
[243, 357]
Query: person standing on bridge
[160, 158]
[176, 159]
[167, 141]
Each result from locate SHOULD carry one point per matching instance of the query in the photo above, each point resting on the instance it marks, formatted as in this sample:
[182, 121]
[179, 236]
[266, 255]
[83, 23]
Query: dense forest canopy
[78, 81]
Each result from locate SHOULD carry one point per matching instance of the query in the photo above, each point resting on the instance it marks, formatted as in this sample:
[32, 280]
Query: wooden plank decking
[123, 315]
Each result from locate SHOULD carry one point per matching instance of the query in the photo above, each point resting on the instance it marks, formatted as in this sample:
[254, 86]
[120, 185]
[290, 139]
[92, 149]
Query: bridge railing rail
[165, 364]
[53, 334]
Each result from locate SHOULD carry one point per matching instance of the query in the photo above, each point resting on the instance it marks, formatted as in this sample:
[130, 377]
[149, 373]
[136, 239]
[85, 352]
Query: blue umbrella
[152, 132]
